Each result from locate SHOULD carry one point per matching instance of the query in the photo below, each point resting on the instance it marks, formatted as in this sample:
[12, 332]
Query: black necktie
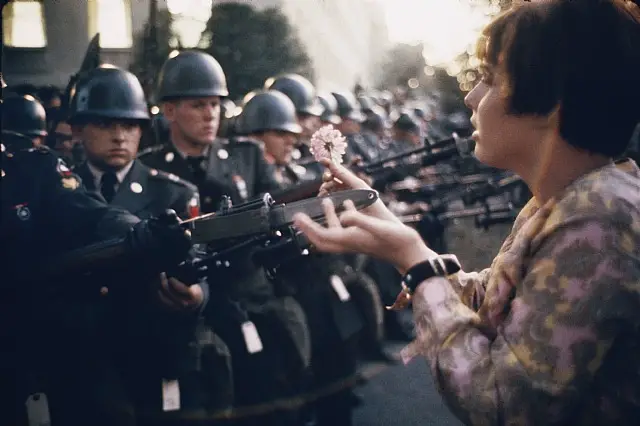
[108, 185]
[198, 167]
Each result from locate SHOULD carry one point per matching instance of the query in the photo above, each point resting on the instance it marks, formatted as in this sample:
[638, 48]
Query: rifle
[485, 216]
[261, 224]
[432, 153]
[92, 60]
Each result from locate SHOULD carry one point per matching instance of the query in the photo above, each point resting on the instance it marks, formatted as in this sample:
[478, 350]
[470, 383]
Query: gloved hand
[160, 240]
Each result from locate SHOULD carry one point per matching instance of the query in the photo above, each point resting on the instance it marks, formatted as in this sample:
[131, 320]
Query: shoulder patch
[159, 174]
[151, 150]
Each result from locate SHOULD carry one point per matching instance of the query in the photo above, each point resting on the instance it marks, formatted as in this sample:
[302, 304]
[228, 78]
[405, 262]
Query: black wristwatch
[441, 266]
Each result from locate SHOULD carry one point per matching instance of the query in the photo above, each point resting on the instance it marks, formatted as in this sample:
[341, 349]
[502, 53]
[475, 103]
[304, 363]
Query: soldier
[352, 119]
[329, 114]
[270, 117]
[108, 113]
[46, 212]
[247, 309]
[190, 88]
[23, 115]
[366, 104]
[407, 132]
[60, 138]
[308, 111]
[375, 130]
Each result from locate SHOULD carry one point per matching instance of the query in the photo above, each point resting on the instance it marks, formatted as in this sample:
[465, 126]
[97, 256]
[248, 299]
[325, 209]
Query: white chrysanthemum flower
[328, 142]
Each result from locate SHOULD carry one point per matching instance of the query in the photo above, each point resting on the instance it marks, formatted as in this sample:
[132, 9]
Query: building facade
[45, 41]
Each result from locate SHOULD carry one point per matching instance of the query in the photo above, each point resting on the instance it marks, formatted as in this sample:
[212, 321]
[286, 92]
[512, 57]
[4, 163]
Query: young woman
[550, 333]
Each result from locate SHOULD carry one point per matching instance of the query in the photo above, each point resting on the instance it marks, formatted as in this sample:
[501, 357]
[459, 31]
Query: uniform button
[104, 291]
[207, 200]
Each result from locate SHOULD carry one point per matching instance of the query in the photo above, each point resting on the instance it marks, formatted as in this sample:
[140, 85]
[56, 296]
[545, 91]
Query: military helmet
[407, 122]
[329, 115]
[191, 74]
[366, 103]
[299, 90]
[348, 108]
[23, 115]
[268, 110]
[376, 119]
[108, 92]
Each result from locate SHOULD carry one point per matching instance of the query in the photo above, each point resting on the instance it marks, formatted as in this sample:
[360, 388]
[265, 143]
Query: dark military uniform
[235, 169]
[349, 109]
[44, 213]
[333, 319]
[148, 192]
[244, 297]
[150, 344]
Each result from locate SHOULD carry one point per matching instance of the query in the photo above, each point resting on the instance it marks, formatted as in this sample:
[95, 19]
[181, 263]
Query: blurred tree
[403, 62]
[253, 45]
[152, 47]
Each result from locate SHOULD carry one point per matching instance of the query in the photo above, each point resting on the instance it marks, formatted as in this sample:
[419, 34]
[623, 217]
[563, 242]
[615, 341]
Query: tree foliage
[253, 45]
[152, 47]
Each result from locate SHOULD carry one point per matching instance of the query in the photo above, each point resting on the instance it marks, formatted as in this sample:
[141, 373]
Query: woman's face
[503, 140]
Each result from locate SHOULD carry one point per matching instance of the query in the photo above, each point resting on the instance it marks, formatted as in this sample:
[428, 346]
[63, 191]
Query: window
[23, 24]
[112, 19]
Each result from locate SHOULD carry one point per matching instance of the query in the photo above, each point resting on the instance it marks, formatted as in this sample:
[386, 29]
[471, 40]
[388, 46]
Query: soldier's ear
[169, 110]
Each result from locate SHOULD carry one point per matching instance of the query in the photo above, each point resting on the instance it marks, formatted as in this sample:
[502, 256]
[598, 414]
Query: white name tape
[251, 337]
[170, 395]
[340, 288]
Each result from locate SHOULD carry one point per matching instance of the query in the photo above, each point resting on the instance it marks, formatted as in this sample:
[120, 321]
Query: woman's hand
[339, 178]
[385, 238]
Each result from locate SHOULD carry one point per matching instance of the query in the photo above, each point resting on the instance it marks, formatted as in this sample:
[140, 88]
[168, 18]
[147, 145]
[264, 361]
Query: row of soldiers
[245, 344]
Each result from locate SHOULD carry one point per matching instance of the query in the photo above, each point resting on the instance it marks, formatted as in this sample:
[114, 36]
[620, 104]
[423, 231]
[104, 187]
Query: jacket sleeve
[75, 215]
[564, 316]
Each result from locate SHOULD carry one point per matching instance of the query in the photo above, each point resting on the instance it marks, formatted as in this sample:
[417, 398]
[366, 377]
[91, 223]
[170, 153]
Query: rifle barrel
[381, 163]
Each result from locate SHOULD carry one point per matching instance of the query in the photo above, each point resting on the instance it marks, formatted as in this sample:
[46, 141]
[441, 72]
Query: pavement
[401, 395]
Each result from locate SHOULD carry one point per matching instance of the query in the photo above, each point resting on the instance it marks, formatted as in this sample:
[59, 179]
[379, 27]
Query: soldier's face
[110, 144]
[279, 145]
[64, 138]
[195, 121]
[309, 124]
[349, 127]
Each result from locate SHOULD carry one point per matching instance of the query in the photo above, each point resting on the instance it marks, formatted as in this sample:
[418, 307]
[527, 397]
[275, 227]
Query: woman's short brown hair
[583, 55]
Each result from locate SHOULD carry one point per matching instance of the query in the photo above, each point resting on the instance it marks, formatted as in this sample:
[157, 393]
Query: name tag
[38, 410]
[170, 395]
[251, 337]
[340, 288]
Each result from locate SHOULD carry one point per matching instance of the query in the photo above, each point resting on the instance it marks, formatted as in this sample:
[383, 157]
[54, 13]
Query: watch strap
[440, 266]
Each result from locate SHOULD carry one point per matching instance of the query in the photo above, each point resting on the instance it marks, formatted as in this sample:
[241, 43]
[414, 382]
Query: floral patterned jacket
[550, 333]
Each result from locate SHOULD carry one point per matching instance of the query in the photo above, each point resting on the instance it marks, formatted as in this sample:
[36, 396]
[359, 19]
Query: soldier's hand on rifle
[179, 296]
[337, 172]
[160, 240]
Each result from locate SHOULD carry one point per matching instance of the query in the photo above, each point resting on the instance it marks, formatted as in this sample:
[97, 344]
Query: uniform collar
[182, 154]
[97, 173]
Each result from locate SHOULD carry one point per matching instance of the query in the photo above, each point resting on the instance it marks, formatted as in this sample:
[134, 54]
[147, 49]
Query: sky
[447, 27]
